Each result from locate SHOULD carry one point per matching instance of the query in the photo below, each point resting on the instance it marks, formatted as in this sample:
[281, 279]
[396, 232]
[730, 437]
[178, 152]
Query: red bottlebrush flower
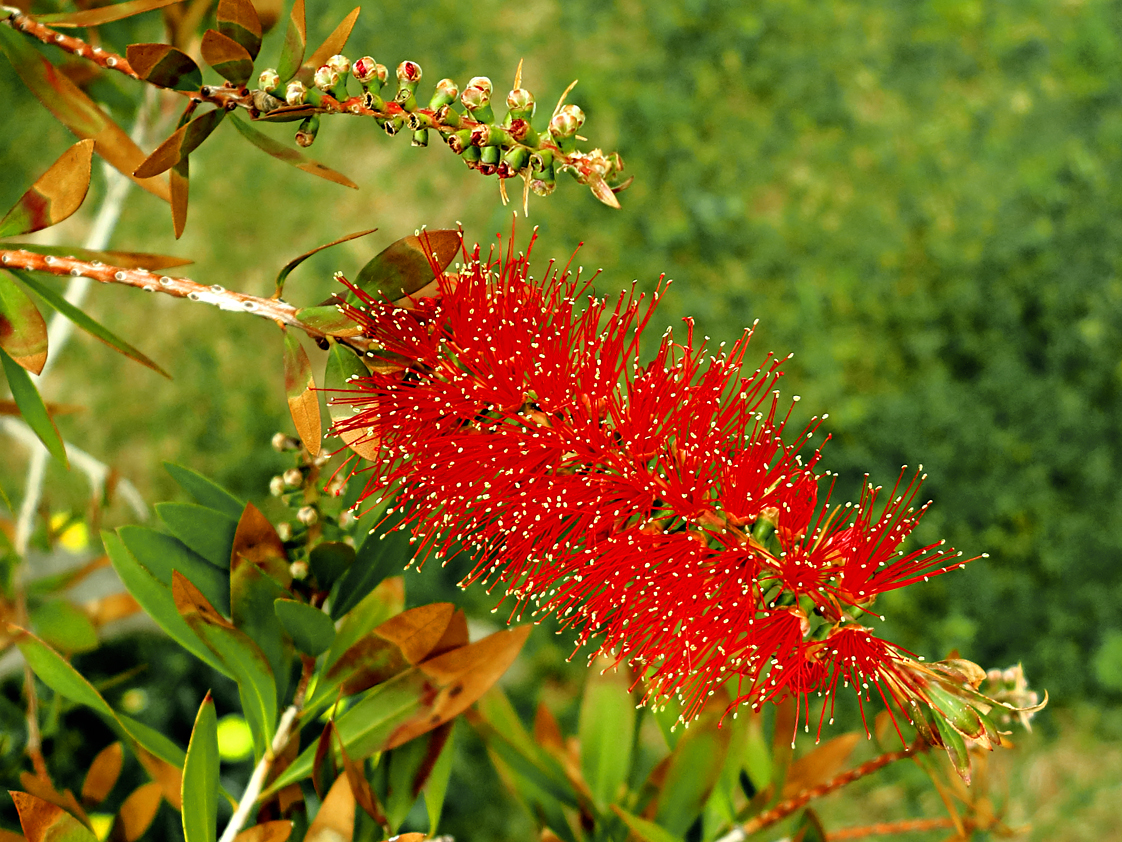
[654, 508]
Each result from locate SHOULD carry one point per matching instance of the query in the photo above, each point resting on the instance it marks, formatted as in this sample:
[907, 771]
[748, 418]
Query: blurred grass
[922, 201]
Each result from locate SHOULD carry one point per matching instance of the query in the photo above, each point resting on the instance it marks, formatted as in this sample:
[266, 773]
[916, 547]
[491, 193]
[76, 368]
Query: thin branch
[239, 302]
[891, 828]
[783, 809]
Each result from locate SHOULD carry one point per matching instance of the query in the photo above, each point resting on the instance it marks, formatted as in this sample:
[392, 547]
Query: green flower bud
[295, 93]
[445, 94]
[340, 64]
[326, 78]
[309, 128]
[420, 138]
[520, 103]
[268, 80]
[566, 122]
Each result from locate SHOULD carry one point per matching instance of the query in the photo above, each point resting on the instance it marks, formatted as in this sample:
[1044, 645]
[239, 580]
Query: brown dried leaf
[103, 774]
[168, 777]
[102, 14]
[332, 45]
[269, 12]
[120, 259]
[336, 817]
[547, 732]
[820, 765]
[45, 791]
[178, 178]
[416, 632]
[360, 786]
[324, 771]
[137, 813]
[303, 399]
[257, 542]
[461, 676]
[602, 191]
[110, 608]
[276, 831]
[239, 21]
[228, 58]
[8, 407]
[455, 636]
[45, 822]
[55, 195]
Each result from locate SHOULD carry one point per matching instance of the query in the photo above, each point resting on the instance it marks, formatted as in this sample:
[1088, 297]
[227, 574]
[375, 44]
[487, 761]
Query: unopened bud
[409, 71]
[309, 128]
[295, 93]
[566, 122]
[475, 97]
[365, 69]
[307, 515]
[482, 83]
[276, 486]
[326, 78]
[521, 101]
[284, 530]
[282, 442]
[340, 64]
[268, 79]
[445, 94]
[293, 477]
[299, 570]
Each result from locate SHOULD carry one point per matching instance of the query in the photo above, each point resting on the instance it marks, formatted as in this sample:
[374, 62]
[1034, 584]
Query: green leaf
[205, 531]
[408, 767]
[607, 725]
[156, 600]
[238, 20]
[330, 560]
[153, 741]
[183, 141]
[205, 491]
[75, 110]
[381, 605]
[295, 40]
[436, 787]
[162, 554]
[303, 398]
[243, 658]
[692, 772]
[102, 14]
[645, 830]
[418, 700]
[229, 59]
[31, 406]
[407, 265]
[289, 155]
[87, 324]
[252, 594]
[282, 276]
[165, 66]
[55, 195]
[23, 333]
[64, 626]
[200, 777]
[310, 629]
[380, 555]
[329, 319]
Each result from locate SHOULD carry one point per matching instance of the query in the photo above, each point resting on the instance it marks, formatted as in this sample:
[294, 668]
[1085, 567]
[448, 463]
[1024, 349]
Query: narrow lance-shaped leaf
[289, 155]
[165, 66]
[206, 491]
[310, 629]
[55, 195]
[332, 45]
[643, 829]
[283, 274]
[121, 259]
[256, 686]
[32, 408]
[228, 58]
[204, 530]
[238, 21]
[23, 333]
[137, 812]
[103, 14]
[436, 787]
[607, 720]
[103, 773]
[179, 179]
[87, 324]
[295, 39]
[45, 822]
[185, 140]
[336, 816]
[200, 777]
[75, 110]
[407, 265]
[303, 399]
[418, 700]
[342, 365]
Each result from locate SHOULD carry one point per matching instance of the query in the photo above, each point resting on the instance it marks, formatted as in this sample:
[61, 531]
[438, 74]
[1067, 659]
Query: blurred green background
[923, 201]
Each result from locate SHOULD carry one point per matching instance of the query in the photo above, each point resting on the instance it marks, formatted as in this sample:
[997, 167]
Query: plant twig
[783, 809]
[261, 771]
